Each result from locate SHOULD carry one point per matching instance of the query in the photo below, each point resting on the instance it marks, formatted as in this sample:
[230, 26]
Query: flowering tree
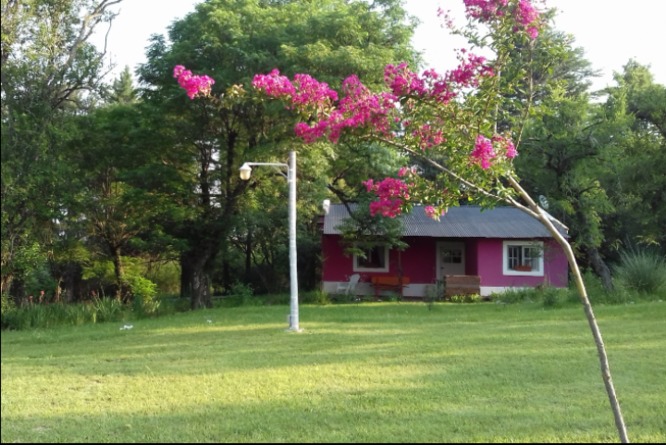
[448, 122]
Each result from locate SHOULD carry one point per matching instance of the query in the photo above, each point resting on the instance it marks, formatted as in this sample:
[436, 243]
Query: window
[376, 259]
[523, 258]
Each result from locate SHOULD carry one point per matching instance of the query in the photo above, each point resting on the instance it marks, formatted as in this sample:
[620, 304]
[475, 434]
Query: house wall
[489, 254]
[419, 262]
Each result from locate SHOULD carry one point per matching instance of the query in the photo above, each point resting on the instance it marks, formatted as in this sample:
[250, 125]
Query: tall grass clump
[548, 296]
[643, 272]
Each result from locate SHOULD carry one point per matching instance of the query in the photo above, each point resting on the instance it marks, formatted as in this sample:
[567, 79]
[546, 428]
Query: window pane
[374, 258]
[515, 256]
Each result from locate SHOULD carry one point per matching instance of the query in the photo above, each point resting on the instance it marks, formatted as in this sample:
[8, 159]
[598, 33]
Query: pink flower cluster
[304, 93]
[525, 15]
[431, 212]
[485, 10]
[471, 69]
[427, 136]
[193, 85]
[484, 152]
[528, 17]
[404, 82]
[358, 108]
[391, 193]
[274, 84]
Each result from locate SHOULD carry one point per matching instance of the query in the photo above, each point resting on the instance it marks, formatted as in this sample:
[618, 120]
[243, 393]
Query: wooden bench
[461, 285]
[388, 282]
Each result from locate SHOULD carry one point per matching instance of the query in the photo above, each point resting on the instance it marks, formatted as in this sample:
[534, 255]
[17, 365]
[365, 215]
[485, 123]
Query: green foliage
[144, 293]
[7, 304]
[550, 297]
[642, 271]
[242, 295]
[232, 41]
[318, 297]
[33, 316]
[165, 275]
[465, 298]
[362, 230]
[434, 293]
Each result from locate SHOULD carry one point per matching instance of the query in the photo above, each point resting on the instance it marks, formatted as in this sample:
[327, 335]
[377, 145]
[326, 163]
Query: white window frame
[359, 268]
[537, 271]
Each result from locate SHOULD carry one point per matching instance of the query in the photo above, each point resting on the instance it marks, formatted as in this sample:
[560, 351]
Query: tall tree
[232, 40]
[635, 112]
[49, 70]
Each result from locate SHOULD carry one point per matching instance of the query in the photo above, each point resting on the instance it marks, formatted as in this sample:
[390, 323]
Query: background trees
[49, 73]
[98, 171]
[231, 41]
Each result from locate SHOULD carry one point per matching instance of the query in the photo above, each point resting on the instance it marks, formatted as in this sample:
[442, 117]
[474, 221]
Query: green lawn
[373, 372]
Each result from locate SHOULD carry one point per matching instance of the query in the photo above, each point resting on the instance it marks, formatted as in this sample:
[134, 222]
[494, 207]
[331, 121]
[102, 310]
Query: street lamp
[245, 173]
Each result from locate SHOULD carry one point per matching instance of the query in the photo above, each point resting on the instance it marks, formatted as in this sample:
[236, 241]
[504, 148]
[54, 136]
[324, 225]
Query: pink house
[504, 247]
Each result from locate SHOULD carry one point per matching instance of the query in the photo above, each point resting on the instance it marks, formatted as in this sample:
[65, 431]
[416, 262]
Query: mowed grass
[375, 372]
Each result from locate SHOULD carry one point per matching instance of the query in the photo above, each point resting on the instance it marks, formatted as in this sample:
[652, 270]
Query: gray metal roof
[460, 222]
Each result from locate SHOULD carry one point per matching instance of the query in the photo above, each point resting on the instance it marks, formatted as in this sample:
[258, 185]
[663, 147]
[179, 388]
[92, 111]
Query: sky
[610, 32]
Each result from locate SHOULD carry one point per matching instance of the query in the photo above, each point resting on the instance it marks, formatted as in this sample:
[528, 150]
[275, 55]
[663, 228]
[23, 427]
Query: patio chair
[349, 287]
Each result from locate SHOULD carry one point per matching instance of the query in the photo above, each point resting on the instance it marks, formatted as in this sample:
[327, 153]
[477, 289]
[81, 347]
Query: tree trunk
[248, 255]
[600, 268]
[118, 270]
[194, 278]
[592, 322]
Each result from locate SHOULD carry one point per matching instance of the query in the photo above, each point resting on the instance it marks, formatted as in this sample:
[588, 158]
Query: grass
[375, 372]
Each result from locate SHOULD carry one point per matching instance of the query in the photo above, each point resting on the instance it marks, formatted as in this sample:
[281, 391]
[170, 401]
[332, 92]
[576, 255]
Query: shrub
[642, 271]
[243, 294]
[144, 292]
[468, 298]
[316, 297]
[434, 293]
[512, 296]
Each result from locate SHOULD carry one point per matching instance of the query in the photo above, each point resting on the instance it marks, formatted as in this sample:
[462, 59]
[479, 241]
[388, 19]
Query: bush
[434, 293]
[242, 295]
[316, 297]
[642, 271]
[144, 292]
[468, 298]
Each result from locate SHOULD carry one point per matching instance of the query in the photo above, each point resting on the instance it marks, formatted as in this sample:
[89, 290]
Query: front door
[450, 258]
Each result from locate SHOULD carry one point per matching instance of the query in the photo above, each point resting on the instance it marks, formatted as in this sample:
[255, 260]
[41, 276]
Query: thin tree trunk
[195, 282]
[589, 313]
[600, 268]
[119, 271]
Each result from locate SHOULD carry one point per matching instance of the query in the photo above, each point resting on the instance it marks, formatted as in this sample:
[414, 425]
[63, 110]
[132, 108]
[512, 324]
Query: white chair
[349, 287]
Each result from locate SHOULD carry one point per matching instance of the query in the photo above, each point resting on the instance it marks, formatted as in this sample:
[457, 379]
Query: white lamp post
[245, 172]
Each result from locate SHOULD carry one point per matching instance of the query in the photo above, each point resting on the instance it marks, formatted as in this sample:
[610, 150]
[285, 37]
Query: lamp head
[245, 172]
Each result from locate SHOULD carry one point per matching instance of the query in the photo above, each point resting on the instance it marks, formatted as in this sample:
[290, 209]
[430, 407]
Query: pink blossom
[485, 10]
[470, 70]
[428, 136]
[511, 151]
[274, 85]
[507, 144]
[305, 93]
[483, 152]
[391, 193]
[527, 17]
[193, 85]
